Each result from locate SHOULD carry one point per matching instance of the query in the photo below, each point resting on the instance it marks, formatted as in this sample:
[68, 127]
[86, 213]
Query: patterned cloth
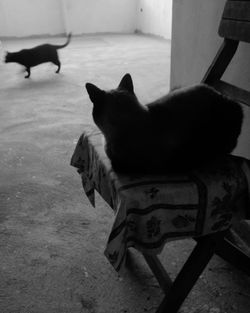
[151, 210]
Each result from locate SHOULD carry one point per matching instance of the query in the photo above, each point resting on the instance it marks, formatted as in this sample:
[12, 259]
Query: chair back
[234, 27]
[235, 22]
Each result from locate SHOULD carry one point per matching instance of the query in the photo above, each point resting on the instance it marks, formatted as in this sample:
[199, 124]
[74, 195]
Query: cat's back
[37, 55]
[41, 50]
[185, 100]
[198, 116]
[194, 103]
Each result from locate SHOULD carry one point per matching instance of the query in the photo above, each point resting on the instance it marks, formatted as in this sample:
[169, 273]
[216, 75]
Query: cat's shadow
[38, 83]
[42, 82]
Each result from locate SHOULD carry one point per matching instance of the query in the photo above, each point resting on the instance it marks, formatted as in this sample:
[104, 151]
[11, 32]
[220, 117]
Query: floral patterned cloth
[151, 210]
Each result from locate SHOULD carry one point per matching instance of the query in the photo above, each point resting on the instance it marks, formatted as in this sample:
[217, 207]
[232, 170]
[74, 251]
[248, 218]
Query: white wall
[20, 18]
[93, 16]
[155, 17]
[194, 39]
[195, 42]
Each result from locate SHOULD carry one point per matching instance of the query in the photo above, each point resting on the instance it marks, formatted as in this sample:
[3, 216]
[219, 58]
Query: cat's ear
[95, 94]
[126, 83]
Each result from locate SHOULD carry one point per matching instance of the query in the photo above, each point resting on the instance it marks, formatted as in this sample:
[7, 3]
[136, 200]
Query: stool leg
[188, 275]
[159, 271]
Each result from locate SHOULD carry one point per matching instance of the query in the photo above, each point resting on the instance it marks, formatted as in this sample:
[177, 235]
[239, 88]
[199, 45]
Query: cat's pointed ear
[95, 94]
[126, 83]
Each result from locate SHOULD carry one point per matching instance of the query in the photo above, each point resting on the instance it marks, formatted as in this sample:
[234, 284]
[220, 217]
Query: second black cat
[186, 129]
[37, 55]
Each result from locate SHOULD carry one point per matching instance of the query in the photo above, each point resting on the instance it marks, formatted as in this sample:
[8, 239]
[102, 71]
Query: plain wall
[195, 41]
[97, 16]
[19, 18]
[155, 17]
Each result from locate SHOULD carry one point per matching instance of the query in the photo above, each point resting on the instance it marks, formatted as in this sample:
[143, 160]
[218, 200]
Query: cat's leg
[28, 72]
[59, 67]
[58, 63]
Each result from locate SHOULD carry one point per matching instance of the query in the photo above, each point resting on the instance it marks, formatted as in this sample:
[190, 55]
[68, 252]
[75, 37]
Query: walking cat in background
[183, 130]
[37, 55]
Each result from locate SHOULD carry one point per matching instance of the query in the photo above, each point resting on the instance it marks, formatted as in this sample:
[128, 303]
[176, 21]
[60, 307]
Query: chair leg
[232, 254]
[190, 272]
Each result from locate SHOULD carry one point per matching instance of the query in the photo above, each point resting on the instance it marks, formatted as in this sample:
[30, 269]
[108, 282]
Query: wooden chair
[234, 28]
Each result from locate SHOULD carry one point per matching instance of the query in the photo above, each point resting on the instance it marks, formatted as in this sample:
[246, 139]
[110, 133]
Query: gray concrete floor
[51, 239]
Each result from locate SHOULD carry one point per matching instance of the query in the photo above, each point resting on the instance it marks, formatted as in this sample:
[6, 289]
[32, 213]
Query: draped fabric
[152, 210]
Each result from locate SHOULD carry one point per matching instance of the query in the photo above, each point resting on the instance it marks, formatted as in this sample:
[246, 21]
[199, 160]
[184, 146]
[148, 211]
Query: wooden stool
[152, 210]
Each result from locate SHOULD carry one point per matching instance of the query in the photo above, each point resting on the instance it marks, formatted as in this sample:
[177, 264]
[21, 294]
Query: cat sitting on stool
[184, 130]
[37, 55]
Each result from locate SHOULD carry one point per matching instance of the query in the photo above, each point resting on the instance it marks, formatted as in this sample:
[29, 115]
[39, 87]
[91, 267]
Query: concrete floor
[51, 239]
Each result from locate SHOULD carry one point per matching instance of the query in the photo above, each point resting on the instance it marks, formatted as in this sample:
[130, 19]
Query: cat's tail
[66, 43]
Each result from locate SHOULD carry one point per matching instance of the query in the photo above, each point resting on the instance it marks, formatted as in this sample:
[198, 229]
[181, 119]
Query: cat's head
[115, 109]
[9, 57]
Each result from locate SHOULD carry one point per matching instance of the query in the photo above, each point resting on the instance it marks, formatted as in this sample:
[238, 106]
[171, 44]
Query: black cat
[37, 55]
[185, 129]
